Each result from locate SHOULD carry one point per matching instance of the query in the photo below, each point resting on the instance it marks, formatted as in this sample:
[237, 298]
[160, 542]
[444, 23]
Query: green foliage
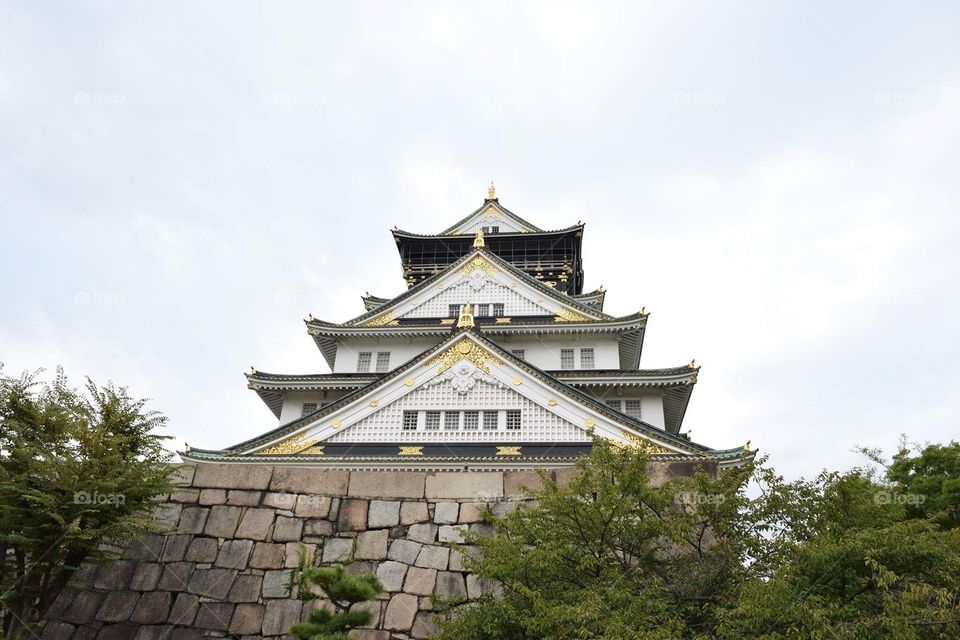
[342, 589]
[933, 475]
[615, 554]
[78, 472]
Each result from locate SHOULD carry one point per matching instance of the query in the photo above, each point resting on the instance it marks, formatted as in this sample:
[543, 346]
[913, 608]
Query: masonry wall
[234, 534]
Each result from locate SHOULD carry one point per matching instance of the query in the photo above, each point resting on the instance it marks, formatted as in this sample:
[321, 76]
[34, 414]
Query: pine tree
[343, 590]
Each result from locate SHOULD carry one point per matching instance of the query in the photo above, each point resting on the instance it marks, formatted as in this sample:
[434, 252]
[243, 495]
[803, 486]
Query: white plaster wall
[467, 290]
[401, 350]
[544, 352]
[293, 402]
[497, 220]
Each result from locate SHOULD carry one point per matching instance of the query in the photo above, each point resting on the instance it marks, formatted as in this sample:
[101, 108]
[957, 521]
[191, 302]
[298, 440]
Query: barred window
[490, 419]
[454, 311]
[363, 361]
[520, 353]
[308, 408]
[497, 309]
[383, 362]
[410, 420]
[632, 408]
[586, 358]
[613, 404]
[494, 229]
[566, 358]
[451, 420]
[513, 419]
[432, 422]
[471, 420]
[482, 310]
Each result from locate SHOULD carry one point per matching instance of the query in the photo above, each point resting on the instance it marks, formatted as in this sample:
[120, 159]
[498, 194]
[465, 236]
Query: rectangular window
[410, 420]
[586, 358]
[454, 310]
[432, 422]
[383, 362]
[613, 404]
[308, 408]
[451, 420]
[490, 419]
[632, 408]
[513, 419]
[482, 310]
[498, 309]
[471, 420]
[494, 229]
[566, 358]
[485, 229]
[363, 361]
[520, 353]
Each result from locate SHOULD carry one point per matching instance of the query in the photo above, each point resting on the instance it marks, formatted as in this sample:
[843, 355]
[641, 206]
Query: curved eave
[496, 203]
[372, 303]
[401, 233]
[594, 298]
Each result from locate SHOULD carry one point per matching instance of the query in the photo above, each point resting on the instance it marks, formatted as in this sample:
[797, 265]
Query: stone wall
[222, 570]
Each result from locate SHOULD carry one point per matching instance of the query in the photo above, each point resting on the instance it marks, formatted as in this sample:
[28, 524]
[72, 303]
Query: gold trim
[316, 450]
[508, 451]
[642, 444]
[289, 446]
[502, 320]
[465, 321]
[464, 349]
[374, 403]
[381, 321]
[591, 423]
[517, 380]
[565, 315]
[551, 402]
[478, 263]
[411, 451]
[408, 382]
[447, 321]
[336, 424]
[478, 242]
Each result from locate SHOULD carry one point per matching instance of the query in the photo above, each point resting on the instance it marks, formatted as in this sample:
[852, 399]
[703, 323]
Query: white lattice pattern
[467, 290]
[538, 423]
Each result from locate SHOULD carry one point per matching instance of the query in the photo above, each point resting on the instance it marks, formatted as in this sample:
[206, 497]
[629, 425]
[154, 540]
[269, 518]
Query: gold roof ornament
[491, 192]
[466, 317]
[693, 364]
[746, 447]
[253, 371]
[479, 242]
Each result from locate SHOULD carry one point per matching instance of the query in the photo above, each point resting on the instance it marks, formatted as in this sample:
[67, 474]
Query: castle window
[363, 361]
[586, 358]
[497, 309]
[383, 362]
[566, 358]
[513, 419]
[613, 404]
[471, 420]
[490, 420]
[632, 408]
[453, 311]
[432, 422]
[410, 420]
[308, 408]
[451, 420]
[482, 310]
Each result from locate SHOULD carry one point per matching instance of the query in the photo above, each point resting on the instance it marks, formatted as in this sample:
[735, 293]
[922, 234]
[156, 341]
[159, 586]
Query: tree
[343, 590]
[78, 472]
[929, 482]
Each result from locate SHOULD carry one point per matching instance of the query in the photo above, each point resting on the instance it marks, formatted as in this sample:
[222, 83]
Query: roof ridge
[495, 203]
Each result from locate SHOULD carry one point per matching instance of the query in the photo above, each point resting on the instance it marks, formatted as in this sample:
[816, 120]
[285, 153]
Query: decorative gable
[491, 218]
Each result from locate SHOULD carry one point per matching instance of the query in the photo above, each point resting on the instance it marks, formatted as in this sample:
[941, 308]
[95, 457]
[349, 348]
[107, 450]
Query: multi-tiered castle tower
[493, 357]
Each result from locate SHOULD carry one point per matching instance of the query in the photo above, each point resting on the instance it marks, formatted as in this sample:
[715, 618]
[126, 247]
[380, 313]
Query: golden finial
[310, 317]
[601, 289]
[186, 447]
[491, 192]
[252, 371]
[479, 242]
[746, 447]
[466, 317]
[693, 364]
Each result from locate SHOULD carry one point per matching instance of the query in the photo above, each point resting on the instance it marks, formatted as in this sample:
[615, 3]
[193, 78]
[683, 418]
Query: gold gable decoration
[290, 446]
[565, 315]
[478, 264]
[641, 444]
[382, 321]
[465, 349]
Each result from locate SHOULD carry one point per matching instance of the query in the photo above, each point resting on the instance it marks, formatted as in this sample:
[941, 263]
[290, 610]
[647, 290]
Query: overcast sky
[181, 183]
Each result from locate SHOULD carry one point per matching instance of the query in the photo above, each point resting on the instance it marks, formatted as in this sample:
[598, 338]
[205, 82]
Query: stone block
[373, 608]
[451, 585]
[372, 545]
[184, 634]
[563, 476]
[279, 615]
[147, 549]
[176, 576]
[514, 483]
[304, 480]
[276, 584]
[267, 556]
[117, 606]
[287, 529]
[213, 496]
[186, 496]
[433, 557]
[247, 619]
[420, 581]
[337, 549]
[312, 506]
[317, 527]
[202, 550]
[234, 554]
[152, 608]
[446, 512]
[184, 609]
[477, 587]
[424, 625]
[413, 512]
[122, 631]
[471, 485]
[115, 575]
[214, 616]
[193, 519]
[456, 560]
[425, 533]
[232, 476]
[57, 631]
[471, 512]
[391, 574]
[352, 516]
[182, 475]
[242, 498]
[452, 533]
[283, 500]
[211, 583]
[383, 514]
[175, 547]
[146, 576]
[223, 521]
[167, 515]
[255, 524]
[84, 607]
[386, 484]
[292, 554]
[400, 612]
[405, 551]
[246, 588]
[154, 632]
